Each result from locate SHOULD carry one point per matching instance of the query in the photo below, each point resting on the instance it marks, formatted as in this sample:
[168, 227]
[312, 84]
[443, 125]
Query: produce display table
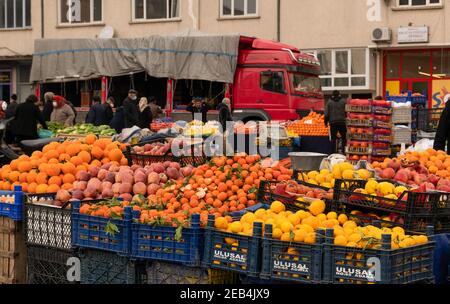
[316, 144]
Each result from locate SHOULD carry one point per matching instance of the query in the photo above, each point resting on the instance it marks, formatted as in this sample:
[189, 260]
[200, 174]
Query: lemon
[346, 166]
[221, 223]
[326, 185]
[310, 238]
[317, 207]
[248, 218]
[322, 217]
[236, 227]
[349, 225]
[399, 190]
[301, 214]
[294, 219]
[371, 186]
[340, 240]
[277, 233]
[332, 215]
[386, 188]
[312, 175]
[364, 174]
[277, 207]
[342, 218]
[300, 235]
[355, 238]
[286, 226]
[348, 174]
[337, 174]
[398, 231]
[313, 182]
[286, 237]
[325, 172]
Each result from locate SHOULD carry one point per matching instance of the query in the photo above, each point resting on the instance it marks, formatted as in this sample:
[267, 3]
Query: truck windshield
[305, 85]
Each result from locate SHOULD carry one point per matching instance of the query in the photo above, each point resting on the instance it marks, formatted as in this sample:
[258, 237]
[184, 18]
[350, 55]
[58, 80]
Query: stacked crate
[359, 130]
[382, 130]
[402, 119]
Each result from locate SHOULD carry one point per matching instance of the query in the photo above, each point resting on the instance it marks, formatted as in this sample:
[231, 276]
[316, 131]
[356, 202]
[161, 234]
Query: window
[346, 68]
[80, 11]
[393, 65]
[5, 84]
[416, 65]
[272, 81]
[238, 8]
[413, 3]
[304, 84]
[15, 14]
[156, 9]
[441, 63]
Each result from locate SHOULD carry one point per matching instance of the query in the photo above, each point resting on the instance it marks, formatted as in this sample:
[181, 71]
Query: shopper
[145, 114]
[197, 107]
[442, 138]
[12, 107]
[48, 105]
[156, 110]
[62, 112]
[109, 105]
[118, 121]
[335, 116]
[97, 113]
[224, 113]
[130, 109]
[27, 117]
[73, 109]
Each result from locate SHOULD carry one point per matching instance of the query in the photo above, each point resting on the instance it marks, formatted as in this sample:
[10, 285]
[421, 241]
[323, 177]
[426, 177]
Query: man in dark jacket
[224, 113]
[27, 117]
[198, 107]
[97, 113]
[130, 109]
[442, 139]
[48, 105]
[336, 117]
[12, 107]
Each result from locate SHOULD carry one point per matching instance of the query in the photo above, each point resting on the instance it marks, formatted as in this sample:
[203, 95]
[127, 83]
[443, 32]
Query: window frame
[145, 19]
[233, 16]
[91, 15]
[285, 89]
[347, 75]
[427, 4]
[24, 18]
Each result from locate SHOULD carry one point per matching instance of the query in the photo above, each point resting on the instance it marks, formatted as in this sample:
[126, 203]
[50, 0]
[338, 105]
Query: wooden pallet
[13, 255]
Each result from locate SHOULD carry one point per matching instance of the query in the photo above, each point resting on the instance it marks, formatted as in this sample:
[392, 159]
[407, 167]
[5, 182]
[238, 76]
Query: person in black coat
[130, 109]
[145, 114]
[442, 139]
[224, 113]
[97, 113]
[48, 105]
[27, 117]
[118, 121]
[197, 107]
[109, 105]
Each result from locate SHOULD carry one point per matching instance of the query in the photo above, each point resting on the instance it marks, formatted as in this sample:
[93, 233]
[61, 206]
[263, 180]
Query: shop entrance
[5, 85]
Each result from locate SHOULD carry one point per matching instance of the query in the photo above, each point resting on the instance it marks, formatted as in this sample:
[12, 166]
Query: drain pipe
[278, 20]
[42, 19]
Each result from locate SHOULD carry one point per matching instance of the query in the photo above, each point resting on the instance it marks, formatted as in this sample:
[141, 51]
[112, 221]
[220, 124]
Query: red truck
[273, 81]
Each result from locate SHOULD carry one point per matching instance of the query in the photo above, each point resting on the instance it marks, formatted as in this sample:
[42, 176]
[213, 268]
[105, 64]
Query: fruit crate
[167, 243]
[381, 152]
[360, 136]
[45, 225]
[402, 135]
[49, 266]
[382, 110]
[358, 151]
[349, 265]
[267, 196]
[358, 108]
[167, 273]
[359, 123]
[401, 115]
[382, 138]
[382, 124]
[101, 233]
[145, 160]
[291, 261]
[233, 252]
[11, 203]
[13, 252]
[415, 100]
[298, 177]
[102, 267]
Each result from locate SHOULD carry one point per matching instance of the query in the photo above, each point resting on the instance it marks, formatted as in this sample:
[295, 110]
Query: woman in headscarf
[145, 114]
[62, 112]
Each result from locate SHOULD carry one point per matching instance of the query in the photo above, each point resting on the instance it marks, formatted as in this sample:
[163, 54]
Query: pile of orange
[311, 125]
[56, 166]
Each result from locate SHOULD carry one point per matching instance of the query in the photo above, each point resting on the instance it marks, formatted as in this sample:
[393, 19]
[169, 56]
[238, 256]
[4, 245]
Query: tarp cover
[180, 56]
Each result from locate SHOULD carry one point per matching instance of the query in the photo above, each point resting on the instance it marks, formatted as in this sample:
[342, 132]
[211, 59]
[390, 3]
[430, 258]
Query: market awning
[182, 56]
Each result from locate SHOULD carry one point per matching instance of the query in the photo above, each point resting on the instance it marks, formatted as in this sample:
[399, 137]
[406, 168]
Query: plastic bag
[420, 146]
[42, 133]
[332, 160]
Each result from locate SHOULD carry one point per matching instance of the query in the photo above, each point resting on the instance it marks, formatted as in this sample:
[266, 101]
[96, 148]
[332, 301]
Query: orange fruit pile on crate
[311, 125]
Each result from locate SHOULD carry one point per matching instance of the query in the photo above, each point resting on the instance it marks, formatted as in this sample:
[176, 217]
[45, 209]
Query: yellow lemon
[386, 188]
[355, 238]
[248, 218]
[324, 171]
[364, 174]
[286, 226]
[349, 225]
[337, 173]
[346, 166]
[310, 238]
[342, 218]
[236, 227]
[277, 233]
[398, 231]
[301, 214]
[322, 217]
[300, 199]
[340, 240]
[221, 223]
[317, 207]
[300, 235]
[312, 174]
[399, 190]
[286, 237]
[332, 215]
[313, 182]
[326, 185]
[371, 186]
[348, 174]
[294, 219]
[277, 207]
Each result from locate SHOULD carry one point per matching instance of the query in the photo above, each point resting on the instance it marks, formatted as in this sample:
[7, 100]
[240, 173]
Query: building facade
[410, 49]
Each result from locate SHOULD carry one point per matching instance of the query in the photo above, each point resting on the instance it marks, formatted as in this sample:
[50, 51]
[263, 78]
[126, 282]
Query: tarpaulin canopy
[181, 56]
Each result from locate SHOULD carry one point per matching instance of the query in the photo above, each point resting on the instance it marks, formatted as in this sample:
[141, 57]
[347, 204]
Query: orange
[90, 139]
[73, 149]
[41, 178]
[115, 155]
[32, 188]
[24, 166]
[53, 170]
[42, 188]
[76, 160]
[55, 180]
[68, 168]
[97, 152]
[64, 157]
[14, 176]
[52, 188]
[67, 186]
[85, 156]
[68, 178]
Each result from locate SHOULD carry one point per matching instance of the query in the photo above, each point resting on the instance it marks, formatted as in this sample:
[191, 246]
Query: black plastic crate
[348, 265]
[167, 273]
[291, 261]
[49, 265]
[232, 252]
[47, 226]
[298, 177]
[428, 119]
[102, 267]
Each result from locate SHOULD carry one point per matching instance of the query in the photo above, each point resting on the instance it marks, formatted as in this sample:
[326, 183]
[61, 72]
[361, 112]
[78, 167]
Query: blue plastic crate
[415, 100]
[89, 231]
[291, 261]
[14, 210]
[233, 252]
[161, 243]
[347, 265]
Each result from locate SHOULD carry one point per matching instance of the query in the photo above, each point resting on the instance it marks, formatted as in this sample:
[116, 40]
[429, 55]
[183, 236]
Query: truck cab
[274, 81]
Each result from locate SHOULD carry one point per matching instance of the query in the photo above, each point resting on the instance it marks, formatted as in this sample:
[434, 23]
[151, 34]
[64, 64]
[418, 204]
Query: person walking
[48, 105]
[97, 113]
[197, 107]
[130, 109]
[62, 112]
[335, 116]
[145, 114]
[156, 110]
[442, 138]
[27, 117]
[224, 113]
[118, 121]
